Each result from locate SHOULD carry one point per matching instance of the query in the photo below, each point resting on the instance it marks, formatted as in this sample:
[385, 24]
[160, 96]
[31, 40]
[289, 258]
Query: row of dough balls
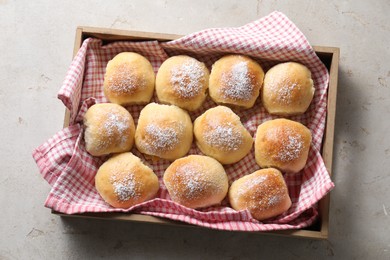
[195, 181]
[166, 132]
[234, 80]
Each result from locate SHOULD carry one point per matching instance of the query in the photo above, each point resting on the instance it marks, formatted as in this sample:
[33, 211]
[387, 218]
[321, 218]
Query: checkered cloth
[70, 170]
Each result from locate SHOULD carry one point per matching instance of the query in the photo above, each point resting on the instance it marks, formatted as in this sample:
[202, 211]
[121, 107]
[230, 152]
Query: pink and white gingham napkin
[70, 170]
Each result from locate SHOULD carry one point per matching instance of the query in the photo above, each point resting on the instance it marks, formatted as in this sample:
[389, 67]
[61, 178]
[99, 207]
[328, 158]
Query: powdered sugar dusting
[115, 126]
[187, 79]
[125, 188]
[238, 82]
[282, 87]
[292, 147]
[194, 178]
[162, 138]
[265, 191]
[190, 176]
[252, 183]
[124, 80]
[116, 122]
[224, 137]
[285, 93]
[275, 199]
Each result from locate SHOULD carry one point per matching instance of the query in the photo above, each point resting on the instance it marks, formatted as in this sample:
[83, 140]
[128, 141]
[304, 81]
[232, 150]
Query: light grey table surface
[36, 48]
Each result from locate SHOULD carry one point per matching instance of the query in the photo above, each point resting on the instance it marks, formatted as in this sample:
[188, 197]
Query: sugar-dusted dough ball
[163, 131]
[124, 181]
[283, 144]
[288, 89]
[182, 81]
[129, 79]
[264, 193]
[109, 128]
[220, 134]
[196, 181]
[235, 80]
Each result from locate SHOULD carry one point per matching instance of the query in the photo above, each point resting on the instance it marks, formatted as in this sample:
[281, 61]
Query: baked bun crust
[283, 144]
[288, 89]
[196, 181]
[182, 81]
[163, 131]
[124, 181]
[220, 134]
[109, 128]
[264, 193]
[129, 79]
[235, 80]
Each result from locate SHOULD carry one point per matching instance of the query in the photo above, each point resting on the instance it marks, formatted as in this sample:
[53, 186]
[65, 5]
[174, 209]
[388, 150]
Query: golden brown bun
[235, 80]
[124, 181]
[288, 89]
[282, 144]
[109, 128]
[264, 193]
[182, 81]
[163, 131]
[196, 181]
[220, 134]
[129, 79]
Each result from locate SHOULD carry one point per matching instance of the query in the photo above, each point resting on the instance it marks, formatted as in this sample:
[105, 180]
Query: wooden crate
[328, 55]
